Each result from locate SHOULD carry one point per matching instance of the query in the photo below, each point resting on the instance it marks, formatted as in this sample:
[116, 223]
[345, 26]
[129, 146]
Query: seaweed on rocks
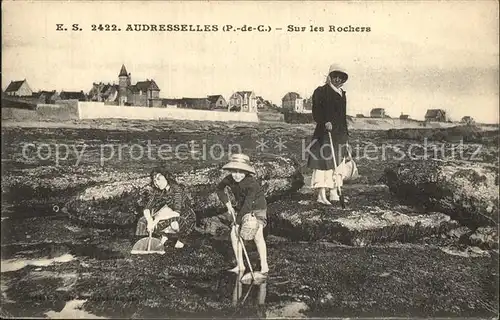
[466, 191]
[44, 190]
[467, 133]
[357, 228]
[485, 237]
[372, 215]
[115, 203]
[339, 281]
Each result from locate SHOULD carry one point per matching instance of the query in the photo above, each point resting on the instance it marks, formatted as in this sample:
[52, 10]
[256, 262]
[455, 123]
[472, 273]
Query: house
[101, 92]
[143, 93]
[467, 120]
[217, 102]
[404, 117]
[264, 105]
[292, 102]
[260, 102]
[109, 94]
[244, 101]
[436, 115]
[95, 93]
[195, 103]
[46, 97]
[18, 89]
[308, 104]
[377, 113]
[171, 103]
[73, 95]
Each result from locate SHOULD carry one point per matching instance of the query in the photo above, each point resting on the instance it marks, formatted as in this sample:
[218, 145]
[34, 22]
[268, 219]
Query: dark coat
[248, 193]
[328, 106]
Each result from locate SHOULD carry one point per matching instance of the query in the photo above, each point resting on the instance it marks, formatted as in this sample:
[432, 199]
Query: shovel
[339, 189]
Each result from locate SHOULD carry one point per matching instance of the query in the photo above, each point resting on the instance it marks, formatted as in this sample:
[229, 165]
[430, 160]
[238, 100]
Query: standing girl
[250, 199]
[329, 113]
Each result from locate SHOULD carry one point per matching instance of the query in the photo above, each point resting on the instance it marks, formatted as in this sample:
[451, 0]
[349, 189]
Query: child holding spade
[249, 200]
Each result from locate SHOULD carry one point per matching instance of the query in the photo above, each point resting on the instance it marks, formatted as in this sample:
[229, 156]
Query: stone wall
[97, 110]
[73, 110]
[63, 110]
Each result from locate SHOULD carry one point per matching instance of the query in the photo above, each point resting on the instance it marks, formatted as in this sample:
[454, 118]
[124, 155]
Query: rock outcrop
[217, 226]
[485, 237]
[308, 222]
[372, 215]
[115, 203]
[466, 191]
[44, 190]
[452, 134]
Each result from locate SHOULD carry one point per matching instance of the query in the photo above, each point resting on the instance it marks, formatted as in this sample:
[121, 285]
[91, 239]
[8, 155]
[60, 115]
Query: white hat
[337, 68]
[239, 161]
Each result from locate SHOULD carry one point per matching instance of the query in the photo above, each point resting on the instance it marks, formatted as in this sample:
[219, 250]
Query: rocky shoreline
[326, 279]
[417, 238]
[466, 191]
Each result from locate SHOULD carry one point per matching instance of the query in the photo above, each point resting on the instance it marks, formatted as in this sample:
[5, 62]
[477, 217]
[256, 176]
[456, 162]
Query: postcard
[250, 159]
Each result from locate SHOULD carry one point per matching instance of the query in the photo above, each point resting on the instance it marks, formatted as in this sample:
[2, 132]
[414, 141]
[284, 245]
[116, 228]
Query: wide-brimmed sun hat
[239, 161]
[337, 69]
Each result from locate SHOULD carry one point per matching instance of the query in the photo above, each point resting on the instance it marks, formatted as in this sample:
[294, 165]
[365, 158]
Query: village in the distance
[293, 107]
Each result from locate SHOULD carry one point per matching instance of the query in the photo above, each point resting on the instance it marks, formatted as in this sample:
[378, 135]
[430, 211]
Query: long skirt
[319, 152]
[320, 159]
[322, 179]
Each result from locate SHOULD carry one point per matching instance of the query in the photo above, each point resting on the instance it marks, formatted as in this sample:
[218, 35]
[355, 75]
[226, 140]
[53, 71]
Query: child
[167, 210]
[249, 199]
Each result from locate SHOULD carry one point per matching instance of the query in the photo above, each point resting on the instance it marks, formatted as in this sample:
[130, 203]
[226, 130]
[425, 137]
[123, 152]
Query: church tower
[123, 83]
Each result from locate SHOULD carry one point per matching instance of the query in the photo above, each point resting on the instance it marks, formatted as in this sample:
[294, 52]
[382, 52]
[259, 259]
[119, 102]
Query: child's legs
[178, 235]
[183, 226]
[237, 247]
[166, 213]
[260, 243]
[168, 230]
[172, 229]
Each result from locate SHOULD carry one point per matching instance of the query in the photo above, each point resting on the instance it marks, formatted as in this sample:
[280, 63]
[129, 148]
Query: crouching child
[166, 210]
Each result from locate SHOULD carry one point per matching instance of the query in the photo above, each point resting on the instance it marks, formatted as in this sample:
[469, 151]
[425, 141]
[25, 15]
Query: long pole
[240, 241]
[339, 190]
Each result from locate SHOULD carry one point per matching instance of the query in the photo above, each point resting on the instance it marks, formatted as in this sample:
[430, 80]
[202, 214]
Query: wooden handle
[333, 151]
[348, 148]
[149, 241]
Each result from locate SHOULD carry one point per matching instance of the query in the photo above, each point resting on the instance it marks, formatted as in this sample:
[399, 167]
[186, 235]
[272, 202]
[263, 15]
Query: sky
[418, 55]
